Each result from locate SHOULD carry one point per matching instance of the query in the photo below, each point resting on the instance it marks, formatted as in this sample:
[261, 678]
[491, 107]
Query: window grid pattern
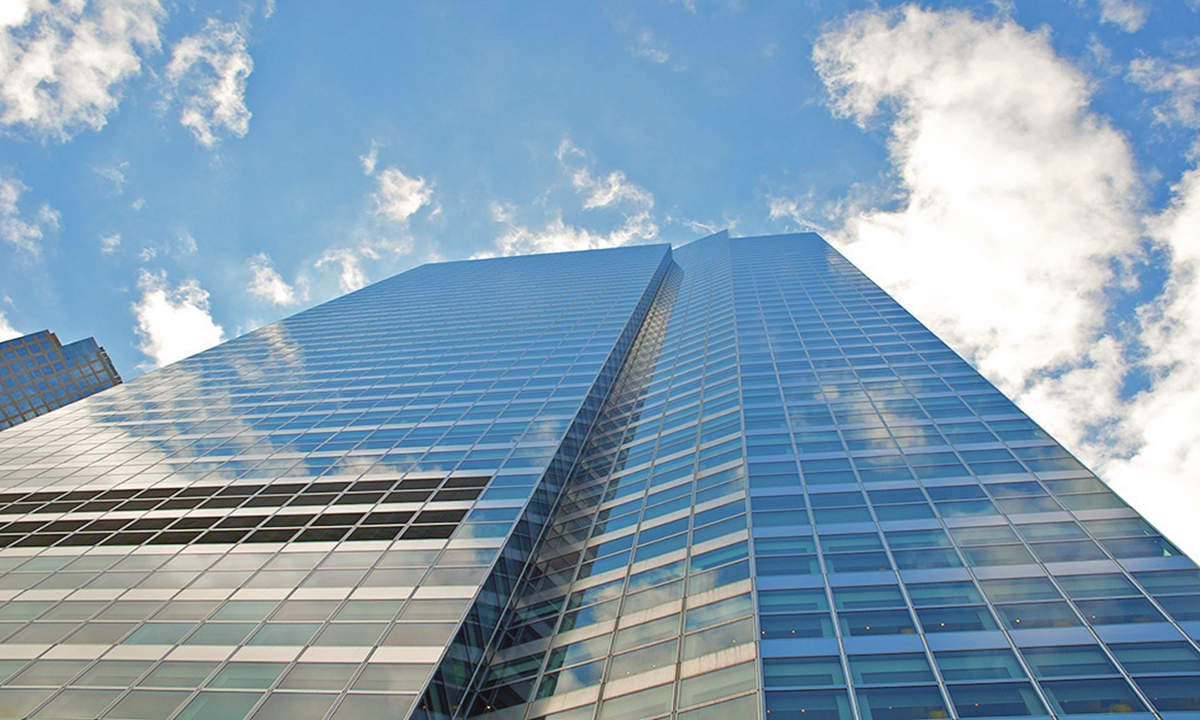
[39, 374]
[923, 549]
[639, 604]
[459, 378]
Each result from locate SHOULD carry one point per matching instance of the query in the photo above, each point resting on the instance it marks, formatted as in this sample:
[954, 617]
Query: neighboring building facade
[724, 481]
[38, 374]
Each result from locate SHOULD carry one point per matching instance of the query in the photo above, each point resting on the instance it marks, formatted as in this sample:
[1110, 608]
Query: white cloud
[1180, 82]
[187, 244]
[557, 236]
[61, 63]
[1129, 15]
[209, 69]
[115, 175]
[1018, 198]
[1164, 420]
[398, 196]
[798, 211]
[109, 243]
[24, 231]
[614, 192]
[351, 276]
[173, 323]
[7, 331]
[646, 46]
[1019, 209]
[610, 190]
[370, 159]
[269, 285]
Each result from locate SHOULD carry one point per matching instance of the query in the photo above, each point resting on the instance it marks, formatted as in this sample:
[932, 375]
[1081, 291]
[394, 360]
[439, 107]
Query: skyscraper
[38, 374]
[728, 480]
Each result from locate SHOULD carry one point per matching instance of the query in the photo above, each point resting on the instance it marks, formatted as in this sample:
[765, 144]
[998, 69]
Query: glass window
[1172, 694]
[1078, 697]
[932, 558]
[1073, 551]
[979, 665]
[798, 600]
[1166, 658]
[996, 700]
[1170, 582]
[962, 592]
[1040, 532]
[718, 612]
[1119, 611]
[997, 555]
[903, 539]
[644, 660]
[875, 622]
[890, 669]
[645, 703]
[1105, 585]
[867, 596]
[1037, 615]
[646, 633]
[247, 676]
[802, 672]
[972, 618]
[906, 703]
[1016, 589]
[812, 625]
[851, 542]
[984, 535]
[1070, 661]
[231, 705]
[809, 705]
[714, 685]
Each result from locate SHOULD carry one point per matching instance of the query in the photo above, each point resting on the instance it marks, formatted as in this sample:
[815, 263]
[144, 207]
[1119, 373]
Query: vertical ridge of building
[455, 671]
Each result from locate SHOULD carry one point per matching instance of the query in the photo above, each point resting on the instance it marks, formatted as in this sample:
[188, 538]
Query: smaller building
[38, 373]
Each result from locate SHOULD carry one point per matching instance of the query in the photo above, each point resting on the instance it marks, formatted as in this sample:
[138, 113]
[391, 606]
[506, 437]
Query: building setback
[726, 481]
[39, 374]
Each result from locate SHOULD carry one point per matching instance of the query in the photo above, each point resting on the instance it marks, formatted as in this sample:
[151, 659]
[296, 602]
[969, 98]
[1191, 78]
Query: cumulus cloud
[7, 331]
[557, 236]
[23, 230]
[370, 159]
[611, 191]
[1165, 419]
[62, 63]
[173, 322]
[1129, 15]
[1018, 219]
[109, 243]
[348, 261]
[646, 46]
[269, 285]
[1017, 197]
[209, 71]
[798, 211]
[1180, 83]
[115, 175]
[398, 196]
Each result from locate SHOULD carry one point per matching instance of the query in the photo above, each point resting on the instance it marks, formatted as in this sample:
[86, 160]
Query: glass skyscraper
[733, 480]
[38, 374]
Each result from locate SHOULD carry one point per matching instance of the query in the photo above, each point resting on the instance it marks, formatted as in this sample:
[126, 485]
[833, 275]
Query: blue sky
[1021, 174]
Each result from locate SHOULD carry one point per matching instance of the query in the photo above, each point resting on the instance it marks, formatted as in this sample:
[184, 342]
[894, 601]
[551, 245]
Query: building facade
[732, 480]
[38, 374]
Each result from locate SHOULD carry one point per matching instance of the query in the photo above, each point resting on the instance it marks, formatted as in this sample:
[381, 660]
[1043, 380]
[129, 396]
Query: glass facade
[733, 480]
[39, 374]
